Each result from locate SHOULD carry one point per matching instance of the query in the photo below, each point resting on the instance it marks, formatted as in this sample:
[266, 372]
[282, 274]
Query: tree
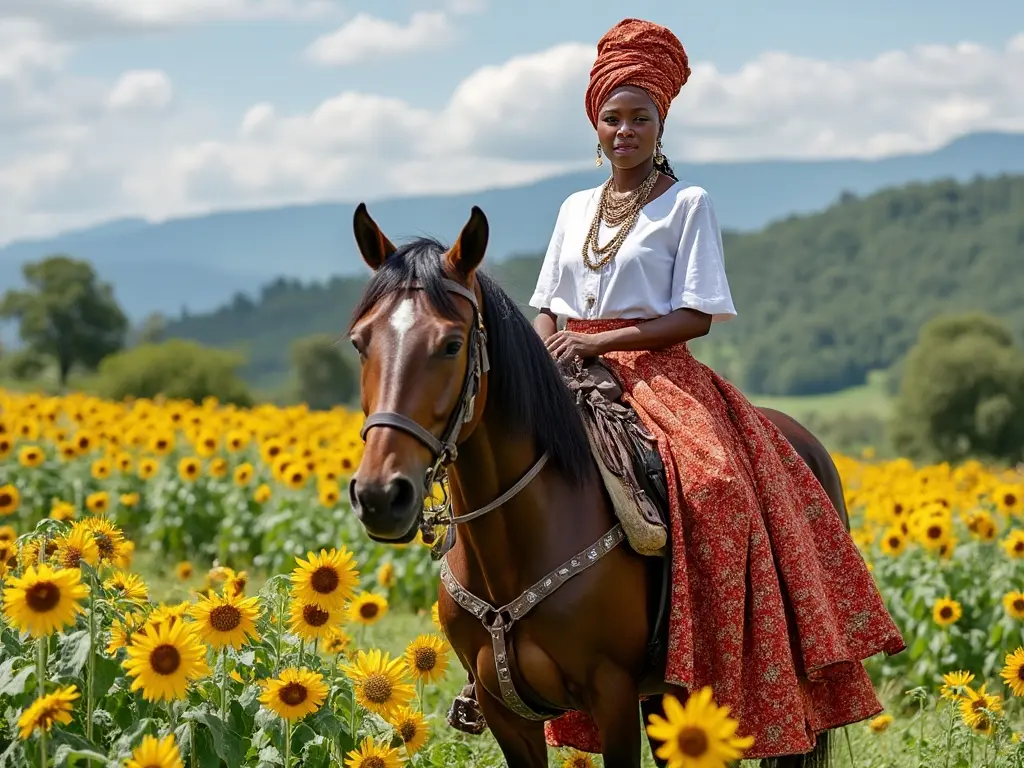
[66, 313]
[325, 377]
[178, 369]
[152, 329]
[962, 392]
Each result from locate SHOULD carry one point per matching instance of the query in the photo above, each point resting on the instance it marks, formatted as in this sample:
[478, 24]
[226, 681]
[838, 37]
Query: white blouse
[673, 258]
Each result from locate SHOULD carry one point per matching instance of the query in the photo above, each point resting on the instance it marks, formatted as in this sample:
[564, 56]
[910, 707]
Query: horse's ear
[467, 253]
[373, 244]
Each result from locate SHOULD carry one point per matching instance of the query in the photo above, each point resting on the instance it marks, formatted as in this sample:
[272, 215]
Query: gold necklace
[622, 211]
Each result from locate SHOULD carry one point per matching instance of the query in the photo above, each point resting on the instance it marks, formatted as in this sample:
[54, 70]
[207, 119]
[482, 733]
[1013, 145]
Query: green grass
[869, 399]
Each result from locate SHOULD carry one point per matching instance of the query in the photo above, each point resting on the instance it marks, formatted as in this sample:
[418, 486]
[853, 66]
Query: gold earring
[659, 158]
[600, 157]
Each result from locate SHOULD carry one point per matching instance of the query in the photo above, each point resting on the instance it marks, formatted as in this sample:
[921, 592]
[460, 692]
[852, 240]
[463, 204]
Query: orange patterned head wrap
[640, 53]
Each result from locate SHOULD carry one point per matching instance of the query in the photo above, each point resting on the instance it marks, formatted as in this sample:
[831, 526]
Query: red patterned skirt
[772, 603]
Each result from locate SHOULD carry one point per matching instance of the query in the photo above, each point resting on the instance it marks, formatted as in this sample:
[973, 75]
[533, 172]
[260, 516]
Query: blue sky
[167, 107]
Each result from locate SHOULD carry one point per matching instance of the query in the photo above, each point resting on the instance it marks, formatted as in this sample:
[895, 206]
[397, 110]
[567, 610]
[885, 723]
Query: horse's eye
[453, 347]
[358, 348]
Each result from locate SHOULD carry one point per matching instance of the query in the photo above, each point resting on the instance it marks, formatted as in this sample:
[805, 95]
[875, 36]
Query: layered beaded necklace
[622, 211]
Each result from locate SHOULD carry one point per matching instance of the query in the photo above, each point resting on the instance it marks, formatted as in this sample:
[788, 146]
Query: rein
[444, 449]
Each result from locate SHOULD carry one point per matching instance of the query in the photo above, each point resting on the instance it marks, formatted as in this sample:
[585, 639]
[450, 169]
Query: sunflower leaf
[13, 684]
[73, 650]
[230, 746]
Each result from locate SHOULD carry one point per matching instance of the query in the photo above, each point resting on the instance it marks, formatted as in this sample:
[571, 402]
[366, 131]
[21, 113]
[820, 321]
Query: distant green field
[868, 400]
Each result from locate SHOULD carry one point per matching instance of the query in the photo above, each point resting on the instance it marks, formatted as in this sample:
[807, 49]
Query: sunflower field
[184, 585]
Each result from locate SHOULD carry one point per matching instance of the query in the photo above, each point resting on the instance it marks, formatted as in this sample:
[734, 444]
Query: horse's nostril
[403, 493]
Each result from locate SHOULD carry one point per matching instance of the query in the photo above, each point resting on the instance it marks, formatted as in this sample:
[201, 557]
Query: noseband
[444, 449]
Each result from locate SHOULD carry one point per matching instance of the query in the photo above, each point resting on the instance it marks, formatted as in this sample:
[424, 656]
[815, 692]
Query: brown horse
[545, 606]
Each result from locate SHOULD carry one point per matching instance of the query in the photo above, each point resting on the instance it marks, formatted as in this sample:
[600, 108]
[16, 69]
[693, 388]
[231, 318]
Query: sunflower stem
[224, 683]
[949, 733]
[42, 748]
[419, 694]
[91, 676]
[287, 743]
[302, 651]
[277, 636]
[849, 745]
[193, 759]
[41, 664]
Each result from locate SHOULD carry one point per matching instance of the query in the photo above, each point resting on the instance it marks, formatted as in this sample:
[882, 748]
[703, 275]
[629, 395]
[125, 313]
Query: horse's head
[421, 343]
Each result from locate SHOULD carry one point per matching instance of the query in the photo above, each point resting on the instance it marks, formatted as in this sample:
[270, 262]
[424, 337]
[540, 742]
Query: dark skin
[628, 128]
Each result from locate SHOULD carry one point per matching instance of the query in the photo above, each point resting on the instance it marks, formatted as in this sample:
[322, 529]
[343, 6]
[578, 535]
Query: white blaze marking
[403, 319]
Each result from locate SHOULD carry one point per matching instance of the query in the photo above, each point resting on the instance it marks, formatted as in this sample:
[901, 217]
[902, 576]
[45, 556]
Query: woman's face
[628, 127]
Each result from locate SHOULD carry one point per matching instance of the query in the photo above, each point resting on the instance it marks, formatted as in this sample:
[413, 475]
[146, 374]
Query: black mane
[525, 388]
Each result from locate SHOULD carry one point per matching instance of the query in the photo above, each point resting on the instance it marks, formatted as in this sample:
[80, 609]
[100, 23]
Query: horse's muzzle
[388, 509]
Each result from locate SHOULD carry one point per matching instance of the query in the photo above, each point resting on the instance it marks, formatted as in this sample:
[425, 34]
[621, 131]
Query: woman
[773, 605]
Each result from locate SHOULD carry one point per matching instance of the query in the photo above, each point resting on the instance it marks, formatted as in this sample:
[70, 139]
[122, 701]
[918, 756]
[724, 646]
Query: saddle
[626, 454]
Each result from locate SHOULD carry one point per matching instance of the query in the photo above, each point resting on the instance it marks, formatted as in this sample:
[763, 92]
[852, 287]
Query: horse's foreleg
[613, 707]
[521, 741]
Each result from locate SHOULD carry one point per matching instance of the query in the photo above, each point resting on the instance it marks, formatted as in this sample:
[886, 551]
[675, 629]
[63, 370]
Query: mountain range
[200, 262]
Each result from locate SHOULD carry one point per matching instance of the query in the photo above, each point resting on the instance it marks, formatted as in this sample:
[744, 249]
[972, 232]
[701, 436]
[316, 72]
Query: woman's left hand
[563, 345]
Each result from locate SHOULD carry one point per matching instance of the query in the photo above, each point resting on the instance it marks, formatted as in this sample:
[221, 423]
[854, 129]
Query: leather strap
[499, 621]
[508, 495]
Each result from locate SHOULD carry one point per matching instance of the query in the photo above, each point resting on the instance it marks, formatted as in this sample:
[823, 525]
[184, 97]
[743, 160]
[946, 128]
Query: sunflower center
[934, 532]
[377, 688]
[324, 580]
[6, 499]
[407, 729]
[373, 761]
[104, 543]
[42, 597]
[225, 618]
[1018, 545]
[72, 558]
[368, 610]
[314, 616]
[1009, 499]
[894, 541]
[165, 659]
[293, 694]
[1018, 605]
[692, 741]
[946, 612]
[426, 659]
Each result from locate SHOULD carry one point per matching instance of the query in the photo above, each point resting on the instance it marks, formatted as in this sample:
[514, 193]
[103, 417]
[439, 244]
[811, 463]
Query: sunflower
[336, 641]
[326, 580]
[881, 723]
[122, 630]
[156, 753]
[44, 600]
[294, 694]
[227, 620]
[1013, 672]
[62, 511]
[329, 493]
[946, 612]
[31, 456]
[189, 468]
[79, 545]
[368, 608]
[1013, 604]
[955, 685]
[1013, 544]
[148, 468]
[7, 534]
[129, 499]
[410, 725]
[163, 659]
[243, 474]
[98, 502]
[109, 539]
[427, 658]
[101, 469]
[52, 708]
[1009, 498]
[373, 755]
[184, 570]
[381, 685]
[386, 575]
[576, 759]
[696, 735]
[976, 706]
[10, 498]
[435, 615]
[310, 622]
[262, 494]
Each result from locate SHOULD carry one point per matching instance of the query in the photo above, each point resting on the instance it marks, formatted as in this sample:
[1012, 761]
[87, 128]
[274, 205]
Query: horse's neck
[500, 547]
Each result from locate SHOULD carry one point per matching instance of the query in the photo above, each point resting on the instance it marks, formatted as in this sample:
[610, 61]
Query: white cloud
[466, 6]
[368, 37]
[141, 90]
[78, 19]
[67, 158]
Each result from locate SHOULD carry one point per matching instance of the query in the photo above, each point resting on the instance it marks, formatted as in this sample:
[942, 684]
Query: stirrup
[465, 715]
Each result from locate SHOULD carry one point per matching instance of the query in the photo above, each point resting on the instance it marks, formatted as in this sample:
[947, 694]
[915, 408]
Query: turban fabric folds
[640, 53]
